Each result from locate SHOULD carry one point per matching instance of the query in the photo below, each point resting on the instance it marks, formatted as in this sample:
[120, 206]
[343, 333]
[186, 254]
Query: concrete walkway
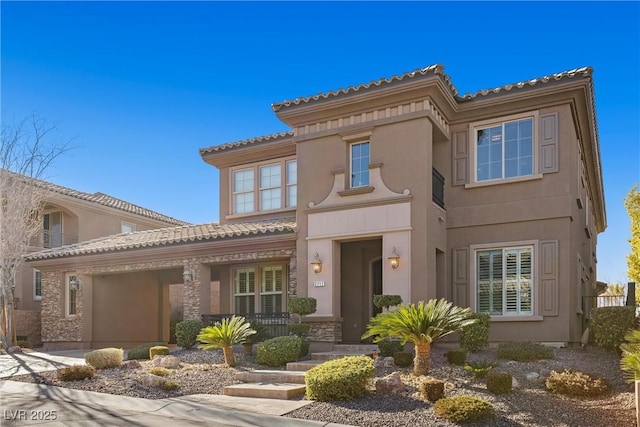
[30, 404]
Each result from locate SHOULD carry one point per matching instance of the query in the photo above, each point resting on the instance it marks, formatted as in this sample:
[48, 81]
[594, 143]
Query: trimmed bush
[76, 373]
[499, 382]
[523, 351]
[611, 324]
[463, 409]
[340, 379]
[299, 329]
[457, 356]
[389, 347]
[576, 383]
[403, 358]
[159, 371]
[475, 337]
[105, 358]
[432, 389]
[386, 301]
[158, 350]
[187, 332]
[302, 306]
[279, 351]
[169, 385]
[142, 351]
[479, 368]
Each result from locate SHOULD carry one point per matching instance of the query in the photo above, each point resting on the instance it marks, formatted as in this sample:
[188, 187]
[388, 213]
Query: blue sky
[142, 86]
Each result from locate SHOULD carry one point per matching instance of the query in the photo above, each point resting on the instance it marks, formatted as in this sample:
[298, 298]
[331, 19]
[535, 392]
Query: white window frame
[533, 245]
[501, 121]
[291, 186]
[37, 277]
[351, 171]
[130, 225]
[257, 188]
[270, 187]
[69, 294]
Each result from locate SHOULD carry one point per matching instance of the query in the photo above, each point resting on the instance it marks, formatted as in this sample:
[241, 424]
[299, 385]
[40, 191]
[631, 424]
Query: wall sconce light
[74, 284]
[187, 276]
[316, 264]
[394, 259]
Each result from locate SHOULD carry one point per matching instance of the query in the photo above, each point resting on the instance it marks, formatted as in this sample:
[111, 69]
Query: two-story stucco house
[72, 216]
[493, 200]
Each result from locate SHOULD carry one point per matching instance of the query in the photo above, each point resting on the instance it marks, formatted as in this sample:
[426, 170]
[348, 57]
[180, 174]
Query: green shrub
[576, 383]
[523, 351]
[299, 329]
[432, 389]
[186, 333]
[386, 301]
[499, 382]
[611, 324]
[158, 350]
[278, 351]
[304, 349]
[76, 373]
[479, 368]
[340, 379]
[172, 331]
[159, 371]
[403, 358]
[302, 306]
[142, 351]
[262, 333]
[463, 409]
[105, 358]
[169, 385]
[457, 356]
[475, 337]
[389, 347]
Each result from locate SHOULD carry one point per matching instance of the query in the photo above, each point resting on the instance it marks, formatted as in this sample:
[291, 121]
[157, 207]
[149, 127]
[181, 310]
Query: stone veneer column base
[67, 345]
[325, 332]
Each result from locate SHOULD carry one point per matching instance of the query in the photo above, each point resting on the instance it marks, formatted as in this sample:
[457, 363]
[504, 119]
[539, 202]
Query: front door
[360, 278]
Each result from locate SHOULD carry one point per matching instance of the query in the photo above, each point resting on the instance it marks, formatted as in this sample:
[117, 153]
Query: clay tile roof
[101, 199]
[436, 69]
[570, 74]
[168, 236]
[260, 139]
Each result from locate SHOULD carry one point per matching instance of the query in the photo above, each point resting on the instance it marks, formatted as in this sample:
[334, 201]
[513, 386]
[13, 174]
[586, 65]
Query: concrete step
[271, 376]
[265, 390]
[365, 348]
[303, 365]
[331, 355]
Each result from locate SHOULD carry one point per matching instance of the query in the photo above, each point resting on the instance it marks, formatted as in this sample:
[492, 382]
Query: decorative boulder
[392, 383]
[131, 364]
[151, 380]
[14, 349]
[170, 362]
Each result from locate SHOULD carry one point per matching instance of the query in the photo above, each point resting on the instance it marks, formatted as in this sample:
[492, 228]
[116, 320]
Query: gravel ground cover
[530, 404]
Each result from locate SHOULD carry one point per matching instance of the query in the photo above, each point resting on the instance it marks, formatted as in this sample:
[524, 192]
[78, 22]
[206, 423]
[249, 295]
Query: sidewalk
[23, 404]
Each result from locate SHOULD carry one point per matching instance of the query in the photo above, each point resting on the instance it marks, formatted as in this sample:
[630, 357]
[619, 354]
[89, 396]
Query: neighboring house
[493, 200]
[72, 216]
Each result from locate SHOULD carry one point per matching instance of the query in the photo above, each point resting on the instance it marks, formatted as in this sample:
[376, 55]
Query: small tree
[632, 203]
[386, 301]
[26, 151]
[225, 335]
[302, 306]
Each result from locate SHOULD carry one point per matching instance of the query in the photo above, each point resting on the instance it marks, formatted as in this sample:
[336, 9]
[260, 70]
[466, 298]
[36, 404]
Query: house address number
[318, 283]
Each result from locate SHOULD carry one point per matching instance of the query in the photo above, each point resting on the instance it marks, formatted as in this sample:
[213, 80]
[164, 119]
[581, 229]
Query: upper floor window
[127, 227]
[359, 164]
[52, 233]
[504, 149]
[270, 191]
[504, 281]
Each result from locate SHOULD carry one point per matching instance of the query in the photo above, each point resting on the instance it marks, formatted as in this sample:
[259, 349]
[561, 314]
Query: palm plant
[421, 325]
[225, 335]
[630, 361]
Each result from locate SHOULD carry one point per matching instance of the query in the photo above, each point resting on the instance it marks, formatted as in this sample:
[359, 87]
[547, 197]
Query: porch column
[197, 293]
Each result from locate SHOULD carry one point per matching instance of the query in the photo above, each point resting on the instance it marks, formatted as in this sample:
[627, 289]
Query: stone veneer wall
[28, 323]
[330, 332]
[56, 327]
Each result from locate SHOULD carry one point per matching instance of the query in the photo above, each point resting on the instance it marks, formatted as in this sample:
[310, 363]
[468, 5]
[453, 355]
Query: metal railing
[53, 239]
[437, 188]
[276, 324]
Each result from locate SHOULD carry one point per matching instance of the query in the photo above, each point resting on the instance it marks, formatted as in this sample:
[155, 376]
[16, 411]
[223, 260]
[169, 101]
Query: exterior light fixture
[74, 284]
[316, 264]
[187, 276]
[394, 259]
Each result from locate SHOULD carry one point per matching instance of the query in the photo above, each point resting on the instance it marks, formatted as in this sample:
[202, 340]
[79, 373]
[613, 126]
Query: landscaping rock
[384, 362]
[170, 362]
[151, 380]
[131, 364]
[14, 349]
[392, 383]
